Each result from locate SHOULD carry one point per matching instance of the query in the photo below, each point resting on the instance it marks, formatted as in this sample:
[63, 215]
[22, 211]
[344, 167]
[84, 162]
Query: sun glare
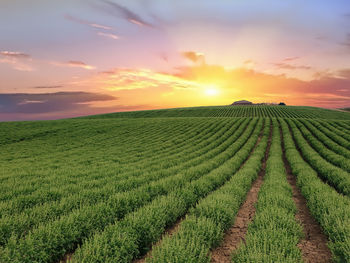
[211, 91]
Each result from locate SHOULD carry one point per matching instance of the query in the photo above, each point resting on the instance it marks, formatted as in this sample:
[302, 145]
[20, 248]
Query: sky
[69, 58]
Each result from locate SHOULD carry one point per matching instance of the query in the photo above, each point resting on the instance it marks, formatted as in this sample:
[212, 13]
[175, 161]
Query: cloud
[324, 74]
[191, 82]
[195, 57]
[290, 59]
[12, 54]
[131, 79]
[73, 63]
[249, 63]
[48, 87]
[121, 11]
[344, 73]
[84, 22]
[283, 65]
[108, 35]
[30, 103]
[17, 60]
[251, 84]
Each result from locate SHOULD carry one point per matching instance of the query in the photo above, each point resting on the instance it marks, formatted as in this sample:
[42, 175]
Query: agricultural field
[205, 184]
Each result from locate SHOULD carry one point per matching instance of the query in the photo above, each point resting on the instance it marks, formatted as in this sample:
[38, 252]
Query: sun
[211, 91]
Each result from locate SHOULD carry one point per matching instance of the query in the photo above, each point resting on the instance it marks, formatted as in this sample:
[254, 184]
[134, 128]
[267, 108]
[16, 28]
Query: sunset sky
[78, 57]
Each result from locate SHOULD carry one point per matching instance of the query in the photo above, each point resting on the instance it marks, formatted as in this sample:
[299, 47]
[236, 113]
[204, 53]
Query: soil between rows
[313, 246]
[236, 234]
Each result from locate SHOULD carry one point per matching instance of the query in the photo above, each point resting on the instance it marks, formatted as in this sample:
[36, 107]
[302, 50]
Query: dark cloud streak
[121, 11]
[31, 103]
[48, 87]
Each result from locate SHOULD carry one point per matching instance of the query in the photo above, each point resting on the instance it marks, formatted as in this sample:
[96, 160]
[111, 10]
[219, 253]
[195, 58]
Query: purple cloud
[119, 10]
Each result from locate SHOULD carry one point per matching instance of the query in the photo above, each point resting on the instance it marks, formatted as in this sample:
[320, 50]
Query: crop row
[341, 128]
[69, 184]
[319, 146]
[106, 139]
[255, 111]
[134, 235]
[341, 125]
[274, 233]
[113, 167]
[328, 172]
[49, 242]
[203, 228]
[332, 133]
[327, 141]
[31, 217]
[232, 111]
[328, 207]
[28, 184]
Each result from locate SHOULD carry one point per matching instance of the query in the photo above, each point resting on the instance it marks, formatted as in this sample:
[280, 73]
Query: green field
[111, 188]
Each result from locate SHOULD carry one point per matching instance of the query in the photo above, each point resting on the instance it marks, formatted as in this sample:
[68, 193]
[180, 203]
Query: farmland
[178, 185]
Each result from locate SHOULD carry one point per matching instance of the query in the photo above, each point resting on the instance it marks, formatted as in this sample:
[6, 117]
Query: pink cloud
[283, 65]
[108, 35]
[17, 60]
[84, 22]
[290, 59]
[14, 54]
[74, 63]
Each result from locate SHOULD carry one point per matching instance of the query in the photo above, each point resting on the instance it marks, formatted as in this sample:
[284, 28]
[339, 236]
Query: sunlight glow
[211, 91]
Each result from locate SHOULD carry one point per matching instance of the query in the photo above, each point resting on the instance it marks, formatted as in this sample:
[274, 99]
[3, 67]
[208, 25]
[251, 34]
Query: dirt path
[245, 215]
[313, 246]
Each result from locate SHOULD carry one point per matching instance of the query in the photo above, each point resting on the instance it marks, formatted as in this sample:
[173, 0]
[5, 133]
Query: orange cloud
[73, 63]
[204, 84]
[195, 57]
[327, 90]
[130, 79]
